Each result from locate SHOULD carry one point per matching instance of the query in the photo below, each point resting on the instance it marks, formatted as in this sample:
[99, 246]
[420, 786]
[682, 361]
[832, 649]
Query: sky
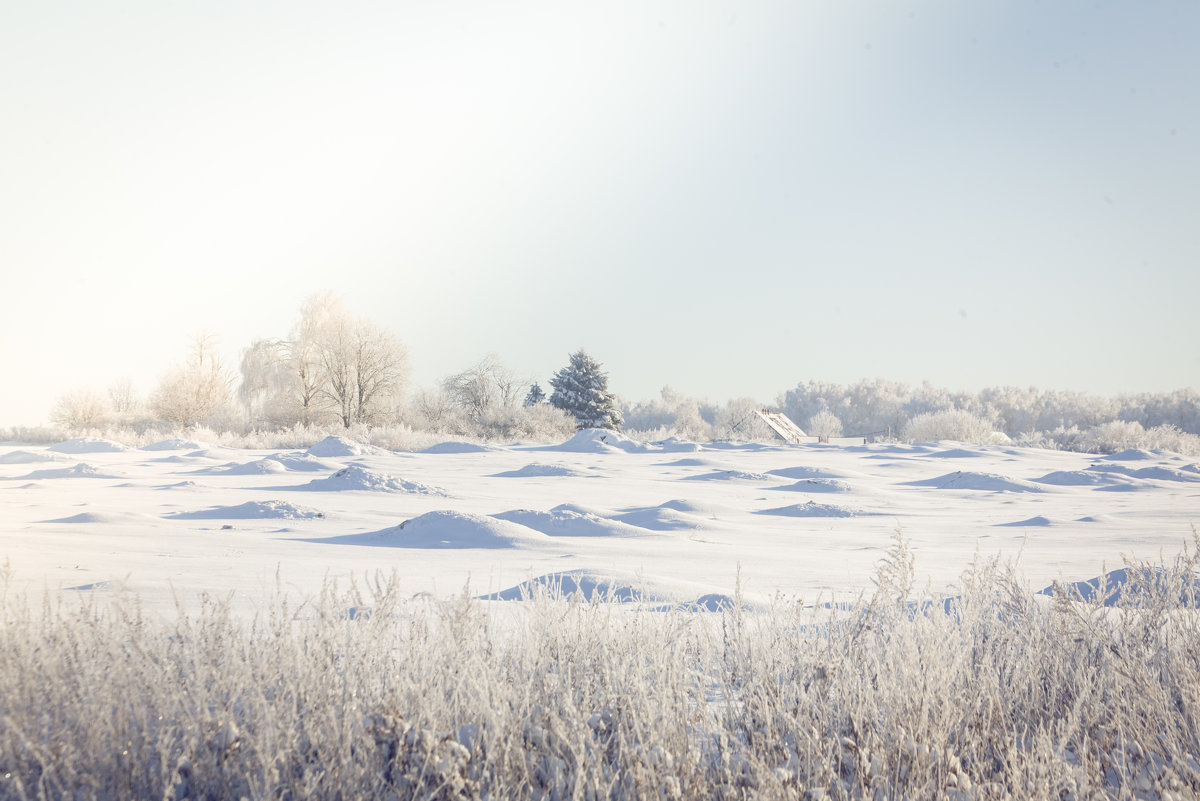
[728, 198]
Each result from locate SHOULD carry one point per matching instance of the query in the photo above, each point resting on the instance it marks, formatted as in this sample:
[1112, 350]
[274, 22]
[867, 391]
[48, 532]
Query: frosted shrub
[953, 424]
[365, 692]
[1118, 436]
[824, 424]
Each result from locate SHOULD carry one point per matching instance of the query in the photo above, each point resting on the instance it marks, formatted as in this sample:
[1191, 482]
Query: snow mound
[359, 478]
[302, 462]
[1155, 473]
[816, 485]
[1132, 455]
[560, 522]
[600, 440]
[954, 453]
[253, 510]
[173, 445]
[676, 445]
[987, 482]
[459, 447]
[690, 462]
[259, 467]
[579, 509]
[692, 507]
[103, 517]
[88, 445]
[29, 457]
[537, 470]
[729, 475]
[81, 470]
[1036, 521]
[582, 585]
[450, 529]
[180, 485]
[1074, 478]
[211, 453]
[590, 586]
[658, 518]
[801, 471]
[812, 509]
[177, 459]
[338, 447]
[1131, 587]
[750, 447]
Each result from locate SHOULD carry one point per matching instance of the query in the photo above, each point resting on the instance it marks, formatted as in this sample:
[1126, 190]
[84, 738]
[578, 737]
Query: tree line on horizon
[335, 369]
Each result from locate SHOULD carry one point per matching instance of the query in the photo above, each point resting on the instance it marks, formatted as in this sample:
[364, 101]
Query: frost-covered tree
[485, 389]
[333, 366]
[121, 397]
[581, 390]
[270, 388]
[80, 409]
[535, 395]
[824, 424]
[952, 424]
[190, 393]
[671, 414]
[362, 366]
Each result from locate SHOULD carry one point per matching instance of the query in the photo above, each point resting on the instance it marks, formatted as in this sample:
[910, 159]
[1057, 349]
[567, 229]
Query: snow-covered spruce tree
[581, 390]
[535, 395]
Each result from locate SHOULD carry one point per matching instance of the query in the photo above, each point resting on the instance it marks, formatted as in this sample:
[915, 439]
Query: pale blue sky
[725, 197]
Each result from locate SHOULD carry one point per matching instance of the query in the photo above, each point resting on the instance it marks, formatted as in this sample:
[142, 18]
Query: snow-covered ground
[673, 519]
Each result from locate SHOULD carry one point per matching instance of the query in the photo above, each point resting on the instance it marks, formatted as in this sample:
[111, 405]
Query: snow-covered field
[335, 653]
[669, 521]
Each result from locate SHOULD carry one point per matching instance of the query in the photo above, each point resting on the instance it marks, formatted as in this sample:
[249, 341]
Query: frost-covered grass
[366, 692]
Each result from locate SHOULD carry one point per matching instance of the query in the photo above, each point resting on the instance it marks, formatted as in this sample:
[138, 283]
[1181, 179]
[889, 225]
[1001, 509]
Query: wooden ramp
[782, 425]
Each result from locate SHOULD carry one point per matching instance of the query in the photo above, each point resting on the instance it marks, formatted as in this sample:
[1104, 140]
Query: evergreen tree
[535, 395]
[581, 390]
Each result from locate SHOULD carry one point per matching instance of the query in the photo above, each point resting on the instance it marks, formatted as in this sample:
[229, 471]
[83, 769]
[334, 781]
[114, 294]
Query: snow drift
[253, 510]
[360, 478]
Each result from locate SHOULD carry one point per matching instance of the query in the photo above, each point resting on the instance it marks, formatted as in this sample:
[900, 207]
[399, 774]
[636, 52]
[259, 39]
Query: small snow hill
[812, 509]
[600, 440]
[455, 447]
[341, 447]
[1133, 587]
[29, 457]
[359, 478]
[594, 587]
[88, 445]
[566, 522]
[81, 470]
[987, 482]
[253, 510]
[730, 475]
[451, 529]
[819, 485]
[174, 444]
[584, 585]
[540, 471]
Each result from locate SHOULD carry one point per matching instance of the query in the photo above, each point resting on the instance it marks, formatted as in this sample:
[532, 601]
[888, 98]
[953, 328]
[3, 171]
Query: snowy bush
[954, 424]
[1117, 436]
[81, 409]
[823, 425]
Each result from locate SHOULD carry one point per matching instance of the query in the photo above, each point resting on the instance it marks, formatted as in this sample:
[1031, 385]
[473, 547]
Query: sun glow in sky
[725, 197]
